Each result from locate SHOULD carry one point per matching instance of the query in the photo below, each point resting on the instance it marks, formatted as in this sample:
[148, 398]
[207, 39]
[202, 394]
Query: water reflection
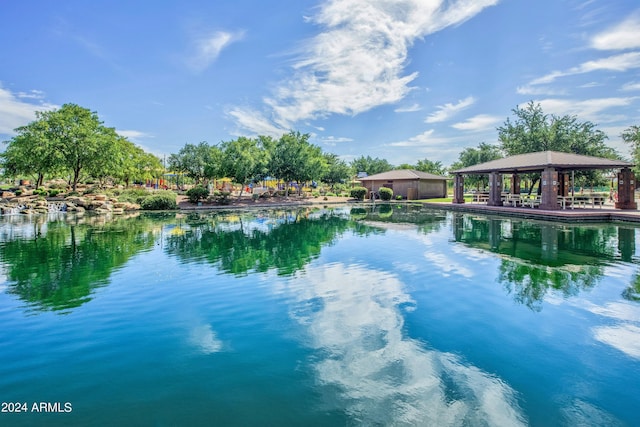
[56, 263]
[536, 257]
[242, 243]
[355, 322]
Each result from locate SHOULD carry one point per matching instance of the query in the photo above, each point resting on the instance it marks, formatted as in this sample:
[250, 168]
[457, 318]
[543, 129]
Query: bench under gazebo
[556, 171]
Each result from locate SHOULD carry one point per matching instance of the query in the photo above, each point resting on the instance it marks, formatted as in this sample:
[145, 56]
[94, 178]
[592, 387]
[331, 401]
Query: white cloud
[620, 63]
[588, 109]
[625, 35]
[332, 140]
[133, 134]
[538, 90]
[478, 123]
[631, 86]
[446, 111]
[14, 112]
[256, 122]
[424, 138]
[208, 48]
[357, 62]
[408, 109]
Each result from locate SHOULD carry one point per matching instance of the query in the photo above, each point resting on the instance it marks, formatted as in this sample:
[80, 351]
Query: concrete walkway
[605, 214]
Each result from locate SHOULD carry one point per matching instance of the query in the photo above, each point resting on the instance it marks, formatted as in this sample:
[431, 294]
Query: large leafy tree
[196, 161]
[533, 130]
[79, 136]
[295, 159]
[473, 156]
[337, 170]
[70, 139]
[631, 136]
[139, 165]
[430, 166]
[370, 166]
[31, 152]
[241, 160]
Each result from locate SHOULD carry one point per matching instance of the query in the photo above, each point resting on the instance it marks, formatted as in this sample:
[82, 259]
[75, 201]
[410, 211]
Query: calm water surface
[347, 316]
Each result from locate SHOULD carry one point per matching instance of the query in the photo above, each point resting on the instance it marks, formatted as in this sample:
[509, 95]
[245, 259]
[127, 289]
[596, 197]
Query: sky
[401, 80]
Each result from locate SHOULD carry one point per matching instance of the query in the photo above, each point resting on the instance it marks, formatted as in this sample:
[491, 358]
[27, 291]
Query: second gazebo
[555, 168]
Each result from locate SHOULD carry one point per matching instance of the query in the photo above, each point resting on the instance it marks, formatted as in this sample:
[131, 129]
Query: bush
[330, 194]
[134, 195]
[358, 193]
[54, 192]
[385, 193]
[221, 197]
[91, 190]
[197, 193]
[40, 192]
[160, 201]
[18, 193]
[398, 197]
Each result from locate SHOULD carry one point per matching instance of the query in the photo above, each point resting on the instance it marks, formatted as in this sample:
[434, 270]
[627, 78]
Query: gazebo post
[458, 189]
[495, 189]
[563, 184]
[626, 190]
[549, 193]
[515, 183]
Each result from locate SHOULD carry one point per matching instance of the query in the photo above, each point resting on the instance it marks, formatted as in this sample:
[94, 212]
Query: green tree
[533, 131]
[241, 160]
[79, 136]
[631, 136]
[473, 156]
[370, 166]
[295, 159]
[198, 162]
[32, 151]
[337, 170]
[430, 166]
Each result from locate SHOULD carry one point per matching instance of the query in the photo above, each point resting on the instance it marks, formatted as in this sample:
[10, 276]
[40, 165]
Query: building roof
[533, 162]
[400, 174]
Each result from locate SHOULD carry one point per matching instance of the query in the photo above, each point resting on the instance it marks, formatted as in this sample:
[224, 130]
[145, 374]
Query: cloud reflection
[354, 319]
[205, 339]
[623, 336]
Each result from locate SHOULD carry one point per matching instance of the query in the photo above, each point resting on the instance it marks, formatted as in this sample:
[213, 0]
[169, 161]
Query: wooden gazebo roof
[541, 160]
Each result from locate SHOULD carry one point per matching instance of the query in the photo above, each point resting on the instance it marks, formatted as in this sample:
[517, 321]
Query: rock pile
[34, 204]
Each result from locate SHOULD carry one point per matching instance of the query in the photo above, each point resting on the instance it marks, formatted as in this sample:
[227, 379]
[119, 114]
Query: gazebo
[556, 169]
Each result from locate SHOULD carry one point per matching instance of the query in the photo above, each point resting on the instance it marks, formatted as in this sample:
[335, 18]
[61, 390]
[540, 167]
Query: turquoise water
[346, 316]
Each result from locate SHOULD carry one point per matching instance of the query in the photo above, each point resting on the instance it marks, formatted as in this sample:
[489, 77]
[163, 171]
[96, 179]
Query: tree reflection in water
[536, 257]
[57, 263]
[242, 243]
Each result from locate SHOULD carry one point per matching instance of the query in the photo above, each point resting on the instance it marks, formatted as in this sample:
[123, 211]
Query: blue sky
[401, 80]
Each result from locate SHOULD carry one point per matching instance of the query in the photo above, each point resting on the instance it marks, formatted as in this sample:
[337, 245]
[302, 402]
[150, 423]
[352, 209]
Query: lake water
[390, 315]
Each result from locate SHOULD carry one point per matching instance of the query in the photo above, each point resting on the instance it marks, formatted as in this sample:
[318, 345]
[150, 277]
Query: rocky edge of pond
[35, 204]
[28, 203]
